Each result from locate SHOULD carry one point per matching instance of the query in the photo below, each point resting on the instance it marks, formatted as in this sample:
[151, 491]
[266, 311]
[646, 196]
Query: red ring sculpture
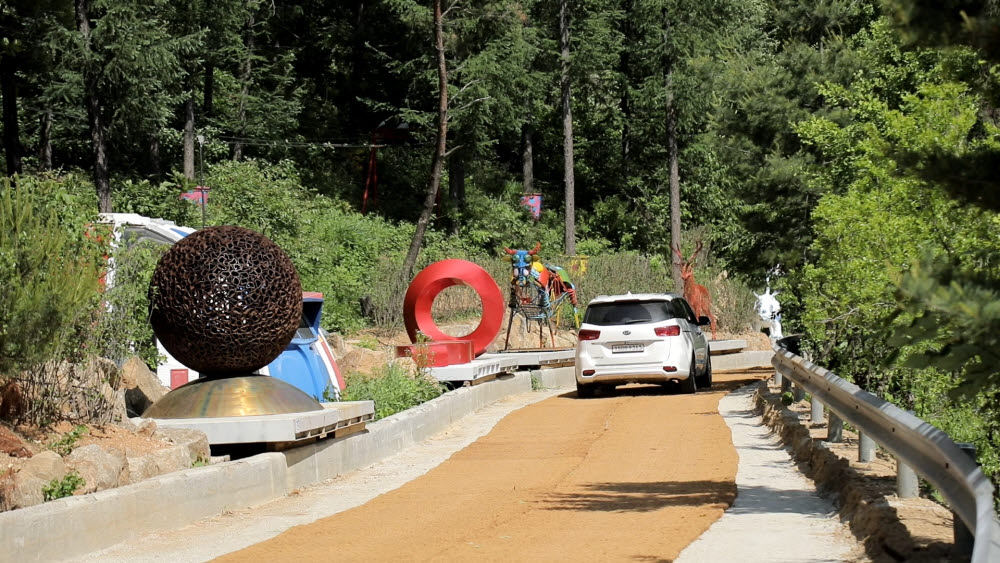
[432, 280]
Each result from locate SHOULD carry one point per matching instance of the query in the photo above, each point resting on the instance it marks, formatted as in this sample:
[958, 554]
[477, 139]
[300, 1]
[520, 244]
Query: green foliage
[536, 384]
[48, 274]
[392, 388]
[59, 488]
[64, 445]
[122, 327]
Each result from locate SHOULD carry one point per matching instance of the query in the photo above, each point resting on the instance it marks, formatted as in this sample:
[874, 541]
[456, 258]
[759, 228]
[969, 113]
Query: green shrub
[64, 446]
[122, 328]
[392, 388]
[48, 274]
[59, 488]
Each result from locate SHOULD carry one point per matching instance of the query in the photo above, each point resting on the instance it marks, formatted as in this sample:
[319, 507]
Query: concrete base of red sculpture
[438, 354]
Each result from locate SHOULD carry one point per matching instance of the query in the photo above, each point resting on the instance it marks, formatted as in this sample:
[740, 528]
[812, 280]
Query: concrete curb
[555, 378]
[743, 360]
[80, 524]
[75, 526]
[871, 514]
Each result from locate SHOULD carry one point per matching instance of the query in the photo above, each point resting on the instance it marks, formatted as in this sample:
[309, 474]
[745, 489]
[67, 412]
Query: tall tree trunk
[206, 106]
[245, 70]
[189, 137]
[527, 157]
[570, 193]
[625, 64]
[92, 98]
[154, 156]
[456, 185]
[45, 140]
[11, 131]
[437, 162]
[675, 182]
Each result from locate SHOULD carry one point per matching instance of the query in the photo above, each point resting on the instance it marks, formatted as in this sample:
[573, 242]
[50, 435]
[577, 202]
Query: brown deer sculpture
[695, 294]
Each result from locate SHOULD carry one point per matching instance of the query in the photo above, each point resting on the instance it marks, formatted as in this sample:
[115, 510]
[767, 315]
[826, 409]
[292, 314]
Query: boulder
[166, 460]
[362, 360]
[142, 387]
[195, 441]
[12, 444]
[45, 465]
[145, 426]
[99, 469]
[36, 473]
[27, 490]
[90, 391]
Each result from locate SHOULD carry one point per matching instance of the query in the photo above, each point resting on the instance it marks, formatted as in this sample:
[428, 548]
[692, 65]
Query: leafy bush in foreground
[392, 388]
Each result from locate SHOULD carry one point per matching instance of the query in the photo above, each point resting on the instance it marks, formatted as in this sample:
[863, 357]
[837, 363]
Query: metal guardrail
[918, 444]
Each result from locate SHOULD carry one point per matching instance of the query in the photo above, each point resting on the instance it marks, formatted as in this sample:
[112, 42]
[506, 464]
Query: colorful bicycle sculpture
[538, 292]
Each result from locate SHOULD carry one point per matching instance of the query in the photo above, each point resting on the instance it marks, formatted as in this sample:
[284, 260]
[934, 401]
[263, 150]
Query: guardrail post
[816, 410]
[798, 393]
[835, 429]
[964, 538]
[907, 485]
[778, 378]
[866, 447]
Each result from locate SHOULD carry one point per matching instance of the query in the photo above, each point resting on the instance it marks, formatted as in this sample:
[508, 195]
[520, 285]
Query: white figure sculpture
[769, 311]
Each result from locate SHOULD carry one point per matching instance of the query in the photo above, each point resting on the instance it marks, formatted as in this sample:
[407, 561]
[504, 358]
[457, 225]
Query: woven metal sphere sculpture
[225, 301]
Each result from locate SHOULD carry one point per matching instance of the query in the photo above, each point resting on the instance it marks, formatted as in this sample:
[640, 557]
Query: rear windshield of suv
[630, 312]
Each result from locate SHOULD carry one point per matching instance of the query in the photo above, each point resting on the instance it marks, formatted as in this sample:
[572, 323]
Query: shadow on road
[643, 497]
[724, 383]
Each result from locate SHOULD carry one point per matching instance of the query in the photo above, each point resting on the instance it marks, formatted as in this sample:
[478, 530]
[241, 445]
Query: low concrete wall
[75, 526]
[328, 458]
[554, 378]
[742, 360]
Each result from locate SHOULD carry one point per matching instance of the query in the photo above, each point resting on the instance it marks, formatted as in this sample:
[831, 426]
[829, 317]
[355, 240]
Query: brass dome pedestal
[242, 395]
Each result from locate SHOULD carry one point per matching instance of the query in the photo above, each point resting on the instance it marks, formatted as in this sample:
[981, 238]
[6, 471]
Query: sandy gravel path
[634, 475]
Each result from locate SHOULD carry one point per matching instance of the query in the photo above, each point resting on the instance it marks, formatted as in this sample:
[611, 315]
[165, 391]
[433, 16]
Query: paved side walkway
[218, 536]
[777, 516]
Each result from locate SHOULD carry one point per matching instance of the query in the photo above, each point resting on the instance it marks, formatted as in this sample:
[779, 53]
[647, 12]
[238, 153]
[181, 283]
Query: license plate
[620, 348]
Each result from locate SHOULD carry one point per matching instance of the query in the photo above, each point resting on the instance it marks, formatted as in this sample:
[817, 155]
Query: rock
[89, 391]
[362, 360]
[337, 345]
[167, 460]
[195, 441]
[27, 490]
[147, 427]
[12, 444]
[7, 485]
[36, 473]
[45, 465]
[142, 387]
[100, 469]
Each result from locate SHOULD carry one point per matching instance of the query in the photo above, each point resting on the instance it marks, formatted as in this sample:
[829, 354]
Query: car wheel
[705, 379]
[584, 391]
[690, 385]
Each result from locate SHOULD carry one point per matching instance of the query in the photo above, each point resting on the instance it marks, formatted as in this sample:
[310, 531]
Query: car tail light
[667, 330]
[670, 368]
[587, 334]
[588, 372]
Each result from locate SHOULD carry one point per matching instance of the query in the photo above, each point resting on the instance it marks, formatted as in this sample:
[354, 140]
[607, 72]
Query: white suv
[641, 338]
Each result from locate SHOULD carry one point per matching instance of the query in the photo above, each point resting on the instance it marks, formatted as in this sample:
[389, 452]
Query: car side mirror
[704, 321]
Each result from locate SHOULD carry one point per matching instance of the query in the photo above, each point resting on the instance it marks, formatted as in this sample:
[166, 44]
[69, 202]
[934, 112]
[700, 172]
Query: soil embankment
[635, 474]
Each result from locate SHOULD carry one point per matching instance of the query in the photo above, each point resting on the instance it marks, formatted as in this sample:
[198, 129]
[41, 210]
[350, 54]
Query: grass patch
[392, 388]
[59, 488]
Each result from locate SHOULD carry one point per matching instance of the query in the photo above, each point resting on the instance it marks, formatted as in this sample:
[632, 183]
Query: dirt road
[636, 474]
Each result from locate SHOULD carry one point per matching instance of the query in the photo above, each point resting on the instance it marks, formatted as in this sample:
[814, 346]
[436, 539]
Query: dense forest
[846, 150]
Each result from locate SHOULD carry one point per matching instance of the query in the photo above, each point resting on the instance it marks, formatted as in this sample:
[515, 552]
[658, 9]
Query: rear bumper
[635, 373]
